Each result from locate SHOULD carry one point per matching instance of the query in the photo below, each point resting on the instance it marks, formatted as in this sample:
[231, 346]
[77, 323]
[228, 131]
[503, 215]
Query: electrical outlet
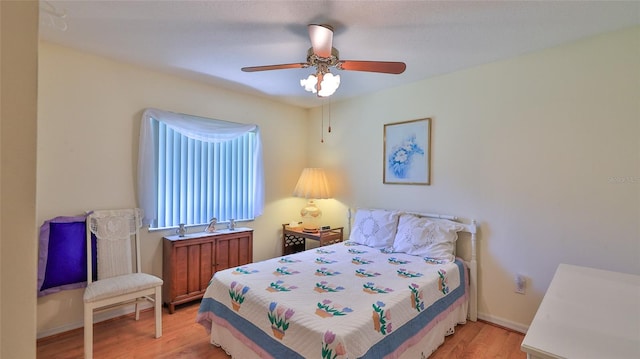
[520, 282]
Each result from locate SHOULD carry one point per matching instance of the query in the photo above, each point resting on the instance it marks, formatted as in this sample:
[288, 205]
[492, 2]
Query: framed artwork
[407, 152]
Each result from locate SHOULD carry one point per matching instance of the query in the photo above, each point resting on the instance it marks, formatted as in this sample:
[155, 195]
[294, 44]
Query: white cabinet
[587, 313]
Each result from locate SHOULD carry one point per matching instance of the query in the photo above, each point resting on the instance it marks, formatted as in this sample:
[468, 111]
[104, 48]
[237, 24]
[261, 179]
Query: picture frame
[406, 155]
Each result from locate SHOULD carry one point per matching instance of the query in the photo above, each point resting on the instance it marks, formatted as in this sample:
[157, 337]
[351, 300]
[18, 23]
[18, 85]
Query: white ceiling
[212, 40]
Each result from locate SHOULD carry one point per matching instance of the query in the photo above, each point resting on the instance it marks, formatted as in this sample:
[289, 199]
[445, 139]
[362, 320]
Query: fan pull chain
[329, 129]
[322, 126]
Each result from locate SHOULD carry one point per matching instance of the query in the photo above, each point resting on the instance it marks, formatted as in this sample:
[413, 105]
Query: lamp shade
[312, 184]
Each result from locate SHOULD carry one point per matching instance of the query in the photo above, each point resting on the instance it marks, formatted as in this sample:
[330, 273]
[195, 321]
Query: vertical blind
[191, 169]
[200, 180]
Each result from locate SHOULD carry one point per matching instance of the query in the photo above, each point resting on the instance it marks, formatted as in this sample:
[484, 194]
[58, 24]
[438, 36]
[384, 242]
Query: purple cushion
[62, 262]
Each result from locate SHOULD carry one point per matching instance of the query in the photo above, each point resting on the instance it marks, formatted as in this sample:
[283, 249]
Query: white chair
[118, 283]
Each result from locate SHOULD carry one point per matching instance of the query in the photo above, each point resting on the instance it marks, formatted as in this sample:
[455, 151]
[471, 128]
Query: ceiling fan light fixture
[309, 83]
[327, 87]
[329, 84]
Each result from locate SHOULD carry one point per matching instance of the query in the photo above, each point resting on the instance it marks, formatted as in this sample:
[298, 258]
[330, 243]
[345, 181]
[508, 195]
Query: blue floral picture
[407, 152]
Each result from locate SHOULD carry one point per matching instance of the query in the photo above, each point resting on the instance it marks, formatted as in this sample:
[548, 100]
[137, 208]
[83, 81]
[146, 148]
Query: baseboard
[100, 317]
[518, 327]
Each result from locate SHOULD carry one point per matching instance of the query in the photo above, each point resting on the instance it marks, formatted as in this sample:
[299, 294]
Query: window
[194, 169]
[200, 180]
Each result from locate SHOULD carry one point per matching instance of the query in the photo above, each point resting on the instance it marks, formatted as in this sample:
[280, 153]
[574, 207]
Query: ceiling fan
[322, 55]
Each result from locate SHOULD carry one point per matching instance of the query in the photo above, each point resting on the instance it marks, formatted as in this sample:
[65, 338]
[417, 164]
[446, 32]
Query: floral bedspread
[339, 301]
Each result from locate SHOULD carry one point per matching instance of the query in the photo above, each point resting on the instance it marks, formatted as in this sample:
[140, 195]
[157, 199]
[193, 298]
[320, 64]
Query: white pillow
[374, 227]
[426, 237]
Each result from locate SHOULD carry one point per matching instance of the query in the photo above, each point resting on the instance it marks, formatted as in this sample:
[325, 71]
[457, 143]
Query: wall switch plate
[520, 282]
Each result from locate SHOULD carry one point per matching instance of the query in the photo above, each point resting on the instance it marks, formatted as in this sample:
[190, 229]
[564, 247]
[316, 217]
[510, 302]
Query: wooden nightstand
[294, 239]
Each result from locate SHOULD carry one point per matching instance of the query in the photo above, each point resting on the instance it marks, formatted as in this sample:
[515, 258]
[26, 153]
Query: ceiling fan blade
[386, 67]
[300, 65]
[321, 39]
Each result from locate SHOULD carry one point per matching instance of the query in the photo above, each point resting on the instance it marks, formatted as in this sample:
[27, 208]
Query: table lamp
[312, 184]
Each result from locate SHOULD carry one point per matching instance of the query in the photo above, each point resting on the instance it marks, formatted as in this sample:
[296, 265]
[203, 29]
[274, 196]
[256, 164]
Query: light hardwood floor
[183, 338]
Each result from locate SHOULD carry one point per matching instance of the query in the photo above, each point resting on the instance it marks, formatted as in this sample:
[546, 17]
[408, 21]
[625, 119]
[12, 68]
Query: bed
[394, 289]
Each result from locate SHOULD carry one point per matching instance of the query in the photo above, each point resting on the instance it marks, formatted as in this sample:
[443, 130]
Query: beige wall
[543, 150]
[88, 127]
[18, 99]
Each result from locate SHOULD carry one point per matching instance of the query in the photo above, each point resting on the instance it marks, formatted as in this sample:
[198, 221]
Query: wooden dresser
[189, 262]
